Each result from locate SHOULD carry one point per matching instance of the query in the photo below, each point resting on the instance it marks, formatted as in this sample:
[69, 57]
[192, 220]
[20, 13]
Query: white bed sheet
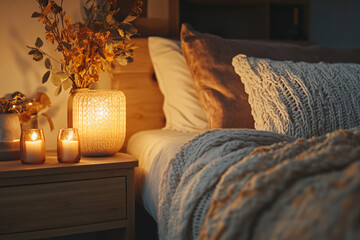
[154, 149]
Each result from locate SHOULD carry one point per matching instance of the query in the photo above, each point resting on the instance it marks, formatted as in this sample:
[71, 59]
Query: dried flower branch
[12, 104]
[88, 48]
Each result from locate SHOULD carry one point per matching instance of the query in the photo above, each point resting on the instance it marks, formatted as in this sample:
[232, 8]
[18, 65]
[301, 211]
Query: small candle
[70, 150]
[33, 151]
[68, 146]
[32, 146]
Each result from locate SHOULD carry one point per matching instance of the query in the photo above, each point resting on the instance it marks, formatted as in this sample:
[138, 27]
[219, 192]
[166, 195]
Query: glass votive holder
[68, 146]
[32, 146]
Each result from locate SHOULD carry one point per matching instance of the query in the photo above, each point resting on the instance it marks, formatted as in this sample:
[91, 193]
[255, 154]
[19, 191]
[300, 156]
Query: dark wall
[277, 20]
[332, 23]
[335, 23]
[229, 20]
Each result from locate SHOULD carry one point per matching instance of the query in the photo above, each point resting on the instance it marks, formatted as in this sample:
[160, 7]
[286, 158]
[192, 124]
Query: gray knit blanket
[248, 184]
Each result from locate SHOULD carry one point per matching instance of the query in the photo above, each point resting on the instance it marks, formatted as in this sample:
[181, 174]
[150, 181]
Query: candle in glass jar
[68, 146]
[70, 150]
[34, 149]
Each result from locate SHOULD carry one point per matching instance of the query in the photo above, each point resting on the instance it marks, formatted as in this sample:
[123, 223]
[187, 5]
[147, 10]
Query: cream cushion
[181, 105]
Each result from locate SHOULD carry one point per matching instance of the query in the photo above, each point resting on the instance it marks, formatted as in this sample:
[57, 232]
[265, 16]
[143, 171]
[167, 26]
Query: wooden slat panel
[143, 98]
[142, 58]
[152, 26]
[133, 80]
[142, 61]
[72, 204]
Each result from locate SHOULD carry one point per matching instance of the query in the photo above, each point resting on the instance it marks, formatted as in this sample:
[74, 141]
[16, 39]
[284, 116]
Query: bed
[244, 139]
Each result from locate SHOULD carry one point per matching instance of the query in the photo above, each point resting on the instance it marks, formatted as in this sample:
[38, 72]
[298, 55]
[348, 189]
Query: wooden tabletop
[15, 168]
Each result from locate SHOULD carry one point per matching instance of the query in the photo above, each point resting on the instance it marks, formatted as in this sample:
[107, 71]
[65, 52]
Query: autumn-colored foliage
[89, 47]
[25, 107]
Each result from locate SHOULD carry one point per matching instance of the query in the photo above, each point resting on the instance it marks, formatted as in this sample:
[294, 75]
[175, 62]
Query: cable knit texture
[301, 99]
[248, 184]
[192, 175]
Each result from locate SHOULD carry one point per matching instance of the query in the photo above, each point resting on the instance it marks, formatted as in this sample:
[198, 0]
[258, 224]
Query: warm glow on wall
[99, 115]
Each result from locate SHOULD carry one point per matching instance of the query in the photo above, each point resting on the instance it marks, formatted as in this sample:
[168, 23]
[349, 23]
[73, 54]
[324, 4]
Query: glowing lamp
[99, 116]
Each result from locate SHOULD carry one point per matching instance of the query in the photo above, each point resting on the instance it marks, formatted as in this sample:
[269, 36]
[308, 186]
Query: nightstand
[57, 199]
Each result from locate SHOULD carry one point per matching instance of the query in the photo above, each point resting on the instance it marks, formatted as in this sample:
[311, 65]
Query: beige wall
[18, 72]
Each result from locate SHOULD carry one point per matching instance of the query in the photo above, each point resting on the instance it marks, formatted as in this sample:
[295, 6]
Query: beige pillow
[220, 90]
[181, 104]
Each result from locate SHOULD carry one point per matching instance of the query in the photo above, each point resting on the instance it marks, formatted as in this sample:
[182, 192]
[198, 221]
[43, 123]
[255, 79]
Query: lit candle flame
[34, 136]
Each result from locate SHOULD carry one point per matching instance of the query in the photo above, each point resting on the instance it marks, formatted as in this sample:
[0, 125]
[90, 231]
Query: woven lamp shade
[100, 117]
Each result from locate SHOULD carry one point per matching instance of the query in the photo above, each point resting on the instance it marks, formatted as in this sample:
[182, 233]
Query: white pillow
[181, 105]
[301, 99]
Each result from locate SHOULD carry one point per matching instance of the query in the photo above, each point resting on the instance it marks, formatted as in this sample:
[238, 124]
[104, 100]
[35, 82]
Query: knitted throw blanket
[301, 99]
[248, 184]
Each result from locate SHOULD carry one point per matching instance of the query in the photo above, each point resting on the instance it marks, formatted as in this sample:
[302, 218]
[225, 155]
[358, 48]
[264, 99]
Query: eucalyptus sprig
[88, 48]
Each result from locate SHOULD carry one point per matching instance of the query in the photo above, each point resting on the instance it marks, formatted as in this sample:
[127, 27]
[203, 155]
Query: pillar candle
[33, 151]
[70, 150]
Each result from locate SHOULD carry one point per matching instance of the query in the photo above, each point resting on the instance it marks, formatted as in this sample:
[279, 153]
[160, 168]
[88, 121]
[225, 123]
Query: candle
[70, 150]
[33, 151]
[32, 146]
[68, 146]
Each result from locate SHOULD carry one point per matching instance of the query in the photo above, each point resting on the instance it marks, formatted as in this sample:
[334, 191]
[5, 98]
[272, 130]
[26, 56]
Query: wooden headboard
[143, 97]
[137, 80]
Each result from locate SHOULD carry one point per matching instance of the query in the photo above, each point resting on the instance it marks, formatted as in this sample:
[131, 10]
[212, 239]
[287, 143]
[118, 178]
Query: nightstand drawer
[62, 204]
